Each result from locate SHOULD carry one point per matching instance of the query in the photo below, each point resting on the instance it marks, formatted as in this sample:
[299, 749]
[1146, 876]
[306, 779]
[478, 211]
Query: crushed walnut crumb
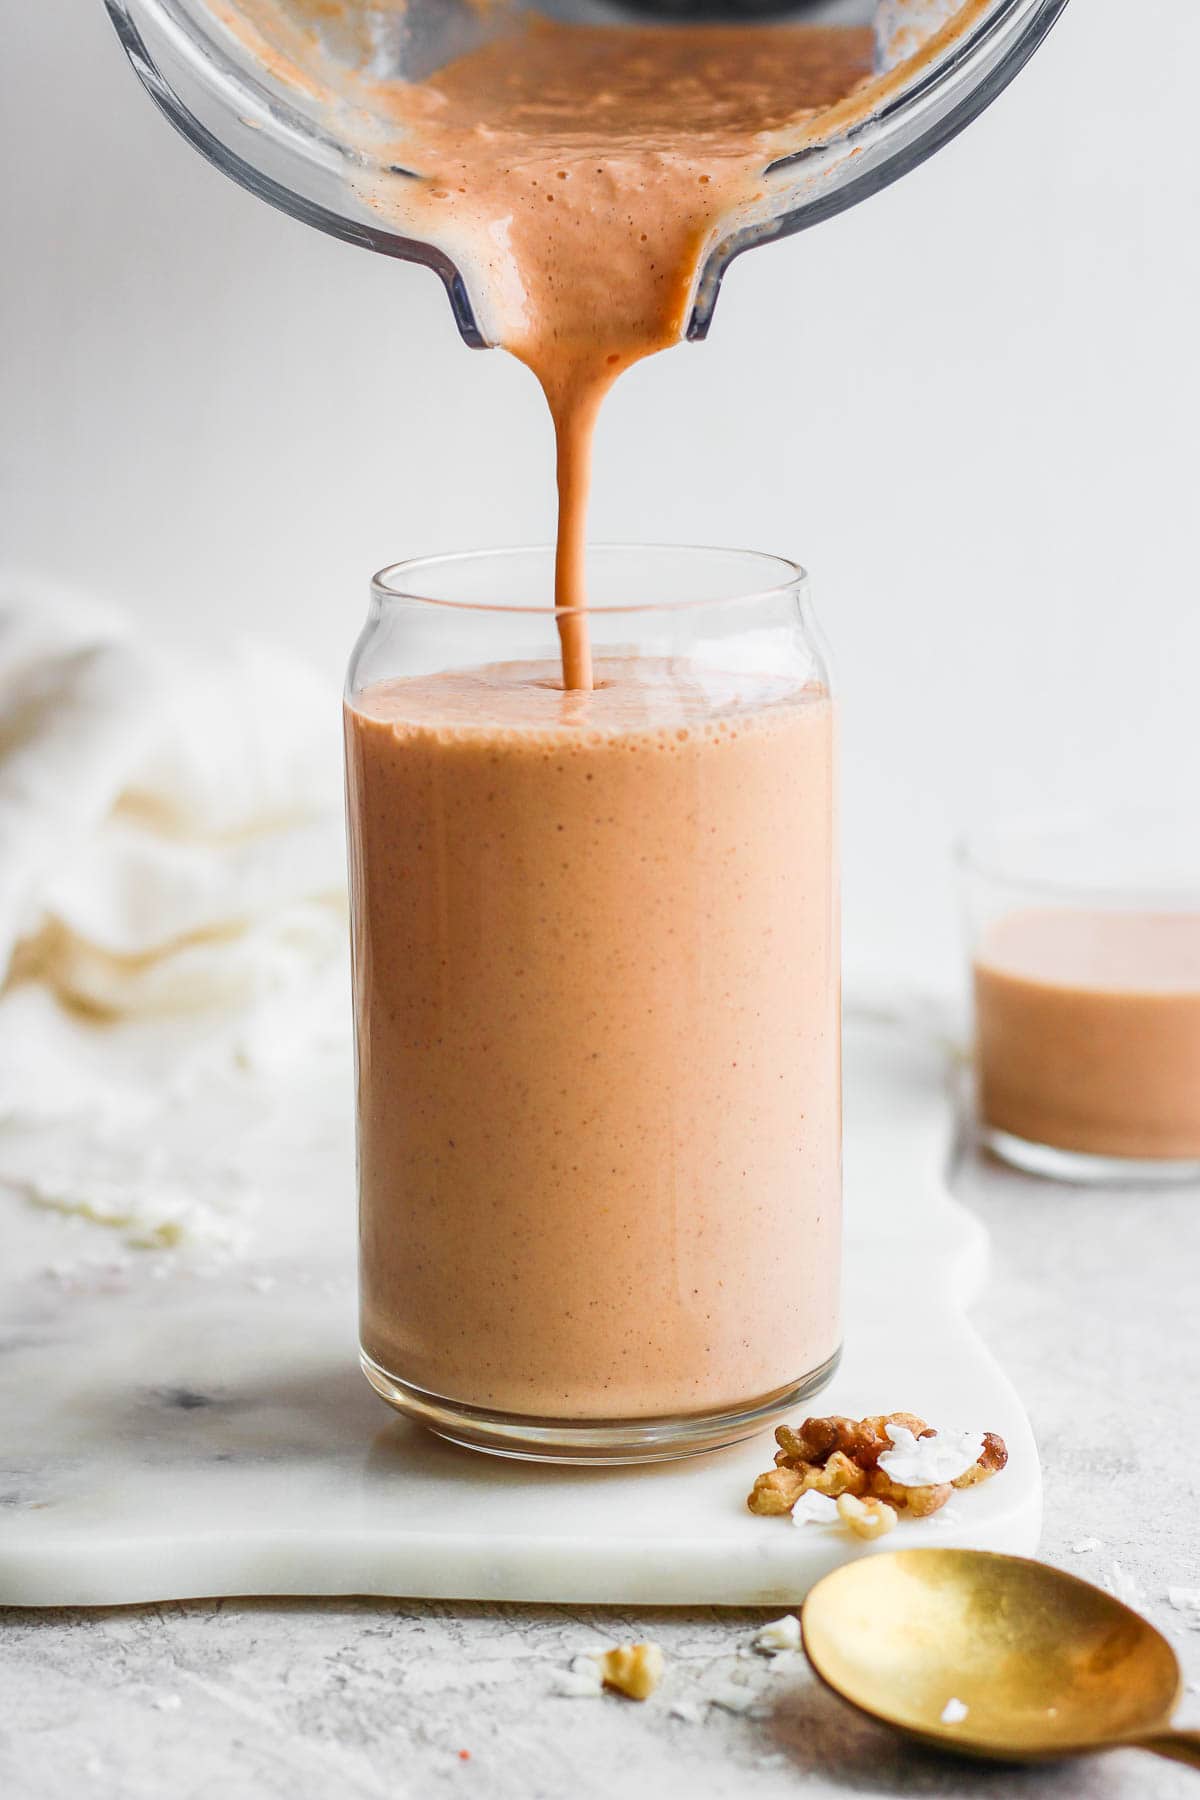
[868, 1519]
[634, 1670]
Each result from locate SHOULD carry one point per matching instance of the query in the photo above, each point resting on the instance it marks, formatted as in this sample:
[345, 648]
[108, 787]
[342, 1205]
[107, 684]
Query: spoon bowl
[994, 1656]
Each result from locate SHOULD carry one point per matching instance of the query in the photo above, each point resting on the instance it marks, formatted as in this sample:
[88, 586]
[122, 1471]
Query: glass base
[1082, 1169]
[598, 1441]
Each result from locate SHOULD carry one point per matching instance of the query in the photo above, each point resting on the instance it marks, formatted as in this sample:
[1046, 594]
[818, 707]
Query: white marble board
[174, 1427]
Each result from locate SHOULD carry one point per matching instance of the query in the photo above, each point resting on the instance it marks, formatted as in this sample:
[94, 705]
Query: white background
[969, 406]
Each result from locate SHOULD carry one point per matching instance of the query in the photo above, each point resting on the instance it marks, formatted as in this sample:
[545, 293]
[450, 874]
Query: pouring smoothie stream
[580, 177]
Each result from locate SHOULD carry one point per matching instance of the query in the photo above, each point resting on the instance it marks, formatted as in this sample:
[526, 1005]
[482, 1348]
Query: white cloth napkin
[172, 910]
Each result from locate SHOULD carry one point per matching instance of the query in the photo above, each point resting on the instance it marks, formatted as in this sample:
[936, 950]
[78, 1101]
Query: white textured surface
[192, 1429]
[1090, 1297]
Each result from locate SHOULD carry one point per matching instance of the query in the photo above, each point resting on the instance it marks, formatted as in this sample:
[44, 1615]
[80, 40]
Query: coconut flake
[733, 1699]
[954, 1712]
[929, 1461]
[815, 1509]
[1086, 1546]
[576, 1684]
[780, 1634]
[1186, 1601]
[582, 1680]
[1123, 1586]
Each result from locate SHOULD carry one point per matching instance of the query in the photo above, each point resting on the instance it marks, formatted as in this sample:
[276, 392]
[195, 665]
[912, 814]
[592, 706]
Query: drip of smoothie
[1088, 1031]
[596, 1002]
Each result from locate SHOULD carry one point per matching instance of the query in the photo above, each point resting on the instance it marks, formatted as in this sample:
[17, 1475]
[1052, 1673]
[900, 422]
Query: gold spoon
[994, 1656]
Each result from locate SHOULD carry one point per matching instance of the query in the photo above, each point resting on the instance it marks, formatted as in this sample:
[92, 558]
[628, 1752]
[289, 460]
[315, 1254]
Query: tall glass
[597, 1002]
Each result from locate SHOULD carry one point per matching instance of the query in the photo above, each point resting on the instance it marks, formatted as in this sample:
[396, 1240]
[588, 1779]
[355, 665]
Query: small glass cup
[1085, 949]
[596, 994]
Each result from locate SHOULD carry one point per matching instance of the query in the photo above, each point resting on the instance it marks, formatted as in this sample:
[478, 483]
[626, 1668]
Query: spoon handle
[1178, 1746]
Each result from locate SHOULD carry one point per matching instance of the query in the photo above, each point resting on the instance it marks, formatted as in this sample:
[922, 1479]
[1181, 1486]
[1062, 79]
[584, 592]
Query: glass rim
[384, 586]
[1004, 852]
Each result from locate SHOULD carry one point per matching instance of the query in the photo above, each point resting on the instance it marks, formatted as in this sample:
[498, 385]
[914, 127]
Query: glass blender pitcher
[230, 76]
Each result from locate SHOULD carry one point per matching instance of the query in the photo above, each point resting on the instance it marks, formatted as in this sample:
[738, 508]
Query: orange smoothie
[595, 972]
[1088, 1031]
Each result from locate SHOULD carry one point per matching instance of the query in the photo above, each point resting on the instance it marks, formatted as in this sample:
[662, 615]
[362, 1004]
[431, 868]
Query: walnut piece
[867, 1518]
[917, 1502]
[839, 1476]
[993, 1459]
[837, 1456]
[632, 1669]
[817, 1439]
[877, 1429]
[862, 1440]
[775, 1493]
